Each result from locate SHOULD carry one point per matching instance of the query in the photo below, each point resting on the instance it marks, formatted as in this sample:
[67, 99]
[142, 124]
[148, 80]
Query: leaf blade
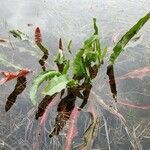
[69, 46]
[38, 81]
[18, 34]
[78, 68]
[127, 37]
[56, 84]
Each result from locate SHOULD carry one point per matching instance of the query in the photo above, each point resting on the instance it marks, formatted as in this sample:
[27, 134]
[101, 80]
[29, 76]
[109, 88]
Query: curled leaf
[38, 81]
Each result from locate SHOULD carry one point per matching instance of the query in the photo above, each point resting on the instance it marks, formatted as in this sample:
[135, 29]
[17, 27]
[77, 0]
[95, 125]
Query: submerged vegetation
[72, 80]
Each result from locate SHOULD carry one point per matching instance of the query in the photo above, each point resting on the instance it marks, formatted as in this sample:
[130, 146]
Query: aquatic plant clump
[85, 65]
[72, 79]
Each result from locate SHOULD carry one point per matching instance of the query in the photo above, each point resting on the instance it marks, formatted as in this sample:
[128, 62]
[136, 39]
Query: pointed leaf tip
[95, 26]
[60, 44]
[127, 37]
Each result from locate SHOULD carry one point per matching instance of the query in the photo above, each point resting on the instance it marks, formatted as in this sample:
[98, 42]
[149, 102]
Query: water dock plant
[72, 80]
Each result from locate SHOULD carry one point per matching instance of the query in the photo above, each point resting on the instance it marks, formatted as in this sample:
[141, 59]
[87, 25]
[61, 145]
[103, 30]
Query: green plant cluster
[84, 66]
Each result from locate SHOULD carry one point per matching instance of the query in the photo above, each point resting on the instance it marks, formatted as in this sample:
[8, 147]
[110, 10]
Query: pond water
[123, 126]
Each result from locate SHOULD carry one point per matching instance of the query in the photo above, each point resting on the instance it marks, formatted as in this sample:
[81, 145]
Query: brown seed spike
[60, 44]
[38, 37]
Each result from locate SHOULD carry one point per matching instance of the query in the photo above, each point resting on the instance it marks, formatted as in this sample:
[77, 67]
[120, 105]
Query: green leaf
[104, 53]
[127, 37]
[6, 62]
[78, 66]
[69, 46]
[95, 26]
[60, 58]
[38, 81]
[90, 56]
[97, 42]
[93, 43]
[42, 48]
[88, 43]
[86, 70]
[19, 34]
[56, 84]
[98, 49]
[72, 83]
[66, 67]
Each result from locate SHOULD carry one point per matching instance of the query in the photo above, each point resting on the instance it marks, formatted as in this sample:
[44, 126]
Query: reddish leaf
[45, 114]
[72, 132]
[138, 73]
[40, 130]
[38, 37]
[134, 105]
[91, 110]
[12, 75]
